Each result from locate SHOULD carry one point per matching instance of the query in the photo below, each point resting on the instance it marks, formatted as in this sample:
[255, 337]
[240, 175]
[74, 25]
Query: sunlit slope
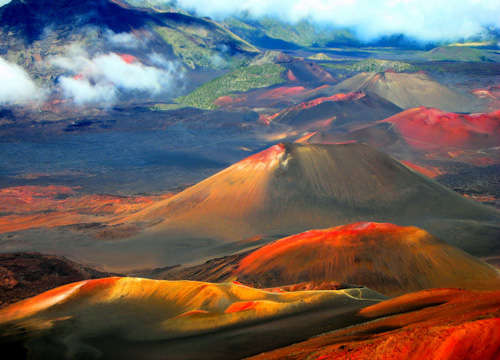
[290, 188]
[139, 311]
[441, 324]
[408, 90]
[387, 258]
[432, 129]
[284, 190]
[336, 112]
[421, 134]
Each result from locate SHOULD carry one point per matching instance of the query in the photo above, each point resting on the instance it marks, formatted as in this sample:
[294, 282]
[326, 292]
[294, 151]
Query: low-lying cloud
[427, 20]
[100, 78]
[126, 40]
[17, 86]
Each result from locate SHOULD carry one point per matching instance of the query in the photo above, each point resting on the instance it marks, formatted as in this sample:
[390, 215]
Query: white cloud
[83, 92]
[422, 19]
[17, 86]
[100, 78]
[125, 40]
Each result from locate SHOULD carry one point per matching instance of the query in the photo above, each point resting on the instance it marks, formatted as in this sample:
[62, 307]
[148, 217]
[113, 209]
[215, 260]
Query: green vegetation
[320, 56]
[240, 80]
[302, 33]
[165, 107]
[371, 65]
[153, 4]
[193, 54]
[201, 43]
[341, 65]
[377, 65]
[457, 53]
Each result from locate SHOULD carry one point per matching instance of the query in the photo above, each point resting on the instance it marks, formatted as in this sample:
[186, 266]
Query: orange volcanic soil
[286, 189]
[315, 102]
[283, 91]
[364, 254]
[129, 59]
[290, 188]
[141, 310]
[229, 100]
[291, 76]
[336, 97]
[25, 207]
[490, 94]
[437, 324]
[432, 129]
[429, 171]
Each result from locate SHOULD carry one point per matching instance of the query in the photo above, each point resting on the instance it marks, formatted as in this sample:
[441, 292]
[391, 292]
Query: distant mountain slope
[431, 129]
[408, 90]
[272, 33]
[336, 112]
[427, 133]
[39, 28]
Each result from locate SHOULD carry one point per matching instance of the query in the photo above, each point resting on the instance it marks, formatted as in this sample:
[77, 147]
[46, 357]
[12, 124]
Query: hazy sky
[421, 19]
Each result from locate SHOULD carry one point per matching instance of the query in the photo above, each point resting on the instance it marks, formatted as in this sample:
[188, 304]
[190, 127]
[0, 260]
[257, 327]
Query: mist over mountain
[370, 19]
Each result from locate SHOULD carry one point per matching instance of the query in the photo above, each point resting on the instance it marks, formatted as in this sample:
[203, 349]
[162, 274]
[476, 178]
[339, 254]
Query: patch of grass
[165, 107]
[347, 66]
[205, 43]
[191, 53]
[303, 33]
[320, 56]
[370, 65]
[377, 65]
[240, 80]
[456, 53]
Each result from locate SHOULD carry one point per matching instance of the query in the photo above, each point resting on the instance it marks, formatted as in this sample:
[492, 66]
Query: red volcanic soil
[333, 112]
[429, 171]
[305, 138]
[315, 102]
[306, 71]
[362, 254]
[129, 59]
[432, 129]
[491, 94]
[336, 97]
[290, 188]
[25, 207]
[283, 91]
[291, 76]
[229, 100]
[267, 156]
[440, 324]
[240, 306]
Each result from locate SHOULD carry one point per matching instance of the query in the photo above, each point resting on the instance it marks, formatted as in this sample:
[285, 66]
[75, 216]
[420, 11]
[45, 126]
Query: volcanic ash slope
[131, 318]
